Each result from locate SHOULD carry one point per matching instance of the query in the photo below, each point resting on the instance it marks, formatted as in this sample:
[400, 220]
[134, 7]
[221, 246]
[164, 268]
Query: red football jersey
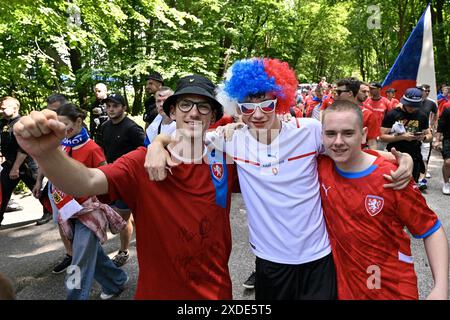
[443, 104]
[366, 224]
[378, 107]
[183, 237]
[90, 154]
[393, 103]
[226, 119]
[328, 101]
[369, 121]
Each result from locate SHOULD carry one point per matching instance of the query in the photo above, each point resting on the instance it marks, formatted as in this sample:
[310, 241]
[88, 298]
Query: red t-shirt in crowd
[393, 103]
[310, 105]
[369, 121]
[443, 104]
[183, 237]
[90, 154]
[378, 107]
[226, 119]
[328, 101]
[366, 224]
[298, 112]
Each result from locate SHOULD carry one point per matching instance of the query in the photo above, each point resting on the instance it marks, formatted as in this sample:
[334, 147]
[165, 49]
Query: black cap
[375, 84]
[412, 98]
[194, 84]
[156, 76]
[391, 90]
[116, 98]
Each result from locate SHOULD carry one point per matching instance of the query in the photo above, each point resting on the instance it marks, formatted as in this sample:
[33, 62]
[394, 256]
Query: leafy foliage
[68, 46]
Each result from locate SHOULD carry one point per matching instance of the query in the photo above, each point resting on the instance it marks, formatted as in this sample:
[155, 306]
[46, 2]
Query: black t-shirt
[150, 112]
[413, 122]
[121, 138]
[9, 145]
[444, 123]
[429, 106]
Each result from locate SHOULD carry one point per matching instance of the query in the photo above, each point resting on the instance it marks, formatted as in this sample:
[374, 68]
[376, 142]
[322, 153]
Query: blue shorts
[119, 204]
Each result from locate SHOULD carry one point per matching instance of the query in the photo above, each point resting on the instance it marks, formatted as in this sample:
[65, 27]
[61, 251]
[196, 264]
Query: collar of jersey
[188, 160]
[282, 128]
[356, 175]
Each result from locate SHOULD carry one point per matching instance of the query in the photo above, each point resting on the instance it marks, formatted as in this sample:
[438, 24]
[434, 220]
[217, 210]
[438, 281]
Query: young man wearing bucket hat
[406, 127]
[183, 237]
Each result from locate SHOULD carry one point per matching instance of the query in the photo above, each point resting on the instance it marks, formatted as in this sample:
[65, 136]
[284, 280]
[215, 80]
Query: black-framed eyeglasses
[186, 105]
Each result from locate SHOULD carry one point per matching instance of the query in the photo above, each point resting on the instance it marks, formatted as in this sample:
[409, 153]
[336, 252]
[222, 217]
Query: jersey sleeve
[434, 109]
[414, 212]
[123, 176]
[137, 135]
[318, 136]
[98, 157]
[424, 122]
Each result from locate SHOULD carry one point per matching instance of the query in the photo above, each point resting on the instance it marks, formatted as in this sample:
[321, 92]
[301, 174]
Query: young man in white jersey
[277, 167]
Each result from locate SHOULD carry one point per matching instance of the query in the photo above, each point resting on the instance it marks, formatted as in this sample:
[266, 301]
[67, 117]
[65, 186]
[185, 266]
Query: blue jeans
[90, 262]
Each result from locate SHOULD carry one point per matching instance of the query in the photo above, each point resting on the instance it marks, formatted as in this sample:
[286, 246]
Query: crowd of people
[414, 124]
[330, 177]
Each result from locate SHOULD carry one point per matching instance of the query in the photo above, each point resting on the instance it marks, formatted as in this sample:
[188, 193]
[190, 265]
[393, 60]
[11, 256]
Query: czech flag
[415, 63]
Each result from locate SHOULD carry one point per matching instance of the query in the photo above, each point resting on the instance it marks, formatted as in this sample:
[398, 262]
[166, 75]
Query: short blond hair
[342, 106]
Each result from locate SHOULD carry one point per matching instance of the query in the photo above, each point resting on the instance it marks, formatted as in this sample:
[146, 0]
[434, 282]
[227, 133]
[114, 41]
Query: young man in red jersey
[183, 237]
[376, 103]
[366, 222]
[390, 95]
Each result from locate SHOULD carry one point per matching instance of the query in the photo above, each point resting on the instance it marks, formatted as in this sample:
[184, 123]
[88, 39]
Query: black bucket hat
[195, 84]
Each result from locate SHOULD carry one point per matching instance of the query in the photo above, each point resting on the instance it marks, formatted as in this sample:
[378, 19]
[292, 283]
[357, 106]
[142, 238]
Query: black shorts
[315, 280]
[446, 149]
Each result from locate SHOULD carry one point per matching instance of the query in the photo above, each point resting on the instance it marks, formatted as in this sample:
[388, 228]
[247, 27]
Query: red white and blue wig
[262, 75]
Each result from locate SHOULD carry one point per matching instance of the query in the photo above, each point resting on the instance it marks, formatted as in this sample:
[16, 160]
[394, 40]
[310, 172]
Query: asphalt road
[28, 252]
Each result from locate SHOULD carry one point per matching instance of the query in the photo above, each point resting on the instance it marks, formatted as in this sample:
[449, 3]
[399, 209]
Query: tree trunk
[81, 88]
[442, 66]
[401, 22]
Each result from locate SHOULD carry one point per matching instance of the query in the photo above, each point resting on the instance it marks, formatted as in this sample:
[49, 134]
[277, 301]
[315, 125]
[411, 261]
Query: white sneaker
[446, 188]
[106, 296]
[428, 175]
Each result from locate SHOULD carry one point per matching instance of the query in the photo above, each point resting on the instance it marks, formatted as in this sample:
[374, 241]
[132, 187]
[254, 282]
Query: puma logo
[326, 189]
